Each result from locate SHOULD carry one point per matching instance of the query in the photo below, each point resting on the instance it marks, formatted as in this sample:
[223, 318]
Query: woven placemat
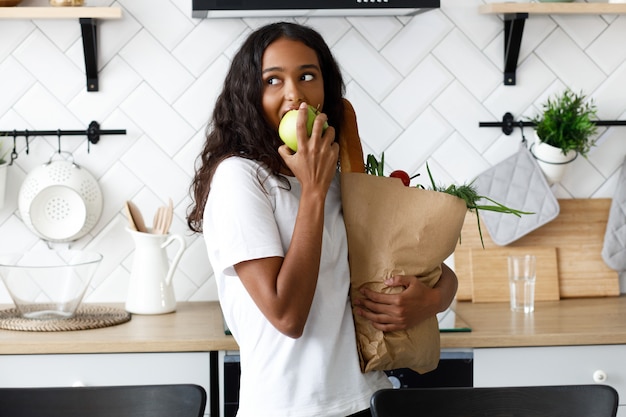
[86, 317]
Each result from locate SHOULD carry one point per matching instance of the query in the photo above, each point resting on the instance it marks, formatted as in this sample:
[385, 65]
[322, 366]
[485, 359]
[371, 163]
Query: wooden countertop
[198, 327]
[194, 327]
[575, 321]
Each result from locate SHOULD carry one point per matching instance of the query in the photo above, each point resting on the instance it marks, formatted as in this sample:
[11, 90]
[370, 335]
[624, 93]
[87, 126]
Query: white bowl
[48, 284]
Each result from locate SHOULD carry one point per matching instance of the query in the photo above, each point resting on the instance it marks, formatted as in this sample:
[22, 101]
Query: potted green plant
[563, 130]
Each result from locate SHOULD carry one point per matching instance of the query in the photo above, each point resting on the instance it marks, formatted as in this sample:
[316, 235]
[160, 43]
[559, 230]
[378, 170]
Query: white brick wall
[420, 86]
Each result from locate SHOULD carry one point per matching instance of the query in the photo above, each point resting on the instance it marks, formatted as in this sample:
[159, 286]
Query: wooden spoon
[137, 217]
[131, 222]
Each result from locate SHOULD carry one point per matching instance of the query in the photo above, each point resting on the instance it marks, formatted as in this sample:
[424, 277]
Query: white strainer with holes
[60, 201]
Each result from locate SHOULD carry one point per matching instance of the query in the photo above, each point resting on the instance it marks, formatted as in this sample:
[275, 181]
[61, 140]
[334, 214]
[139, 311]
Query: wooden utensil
[169, 211]
[135, 213]
[163, 219]
[157, 222]
[131, 222]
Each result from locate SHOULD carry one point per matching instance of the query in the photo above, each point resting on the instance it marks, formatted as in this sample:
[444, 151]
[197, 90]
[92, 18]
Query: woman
[275, 235]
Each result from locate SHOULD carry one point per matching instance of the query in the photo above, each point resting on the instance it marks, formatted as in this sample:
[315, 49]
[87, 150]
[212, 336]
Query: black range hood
[309, 8]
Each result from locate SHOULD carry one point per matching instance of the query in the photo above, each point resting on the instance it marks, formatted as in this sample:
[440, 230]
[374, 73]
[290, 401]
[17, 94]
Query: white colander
[60, 201]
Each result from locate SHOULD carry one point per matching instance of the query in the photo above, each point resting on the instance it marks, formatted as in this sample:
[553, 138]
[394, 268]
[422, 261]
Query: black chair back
[536, 401]
[177, 400]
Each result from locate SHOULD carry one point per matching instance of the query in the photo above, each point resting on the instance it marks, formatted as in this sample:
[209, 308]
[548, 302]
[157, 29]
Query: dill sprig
[469, 194]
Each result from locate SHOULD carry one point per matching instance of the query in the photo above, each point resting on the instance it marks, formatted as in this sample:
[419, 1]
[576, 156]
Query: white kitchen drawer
[105, 369]
[558, 365]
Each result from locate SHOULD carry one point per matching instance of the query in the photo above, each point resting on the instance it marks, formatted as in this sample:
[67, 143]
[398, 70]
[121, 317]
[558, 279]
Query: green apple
[287, 127]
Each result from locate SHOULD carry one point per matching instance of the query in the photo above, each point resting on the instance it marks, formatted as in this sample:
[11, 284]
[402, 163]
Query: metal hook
[521, 127]
[59, 140]
[26, 135]
[14, 151]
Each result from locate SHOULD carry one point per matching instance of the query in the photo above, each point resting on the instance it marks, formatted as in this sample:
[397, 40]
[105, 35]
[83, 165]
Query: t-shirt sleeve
[239, 222]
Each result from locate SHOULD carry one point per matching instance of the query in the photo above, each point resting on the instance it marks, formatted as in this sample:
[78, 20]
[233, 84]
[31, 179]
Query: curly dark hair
[238, 125]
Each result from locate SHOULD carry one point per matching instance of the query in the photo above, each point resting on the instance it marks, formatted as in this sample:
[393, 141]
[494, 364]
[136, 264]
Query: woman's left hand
[390, 312]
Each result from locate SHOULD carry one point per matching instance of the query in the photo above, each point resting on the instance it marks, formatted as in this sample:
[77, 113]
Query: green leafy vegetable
[466, 192]
[373, 167]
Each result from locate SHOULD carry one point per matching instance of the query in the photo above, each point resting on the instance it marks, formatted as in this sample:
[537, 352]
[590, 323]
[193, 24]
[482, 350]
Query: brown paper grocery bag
[397, 230]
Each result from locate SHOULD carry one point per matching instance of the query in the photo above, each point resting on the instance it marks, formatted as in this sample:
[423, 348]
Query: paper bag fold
[397, 230]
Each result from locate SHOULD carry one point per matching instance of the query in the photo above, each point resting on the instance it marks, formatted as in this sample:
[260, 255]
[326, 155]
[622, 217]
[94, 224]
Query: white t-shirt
[250, 216]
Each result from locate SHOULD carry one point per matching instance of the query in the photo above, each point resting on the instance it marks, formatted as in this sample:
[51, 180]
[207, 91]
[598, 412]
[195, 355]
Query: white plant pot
[551, 160]
[3, 183]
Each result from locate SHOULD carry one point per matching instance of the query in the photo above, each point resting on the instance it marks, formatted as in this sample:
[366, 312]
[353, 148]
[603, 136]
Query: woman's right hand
[315, 162]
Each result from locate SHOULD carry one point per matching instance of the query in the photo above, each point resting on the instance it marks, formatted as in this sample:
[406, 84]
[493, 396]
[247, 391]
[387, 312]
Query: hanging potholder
[516, 182]
[614, 249]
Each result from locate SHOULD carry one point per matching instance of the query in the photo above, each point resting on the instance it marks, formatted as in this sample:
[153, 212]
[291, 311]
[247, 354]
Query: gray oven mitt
[614, 249]
[517, 182]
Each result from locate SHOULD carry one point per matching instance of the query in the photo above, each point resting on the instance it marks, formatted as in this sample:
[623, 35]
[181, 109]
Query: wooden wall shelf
[60, 12]
[554, 8]
[87, 17]
[515, 15]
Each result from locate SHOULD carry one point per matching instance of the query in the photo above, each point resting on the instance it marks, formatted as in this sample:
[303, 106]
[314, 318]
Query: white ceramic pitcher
[150, 290]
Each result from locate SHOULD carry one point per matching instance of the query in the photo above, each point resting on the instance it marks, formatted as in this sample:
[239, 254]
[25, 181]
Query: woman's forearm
[447, 287]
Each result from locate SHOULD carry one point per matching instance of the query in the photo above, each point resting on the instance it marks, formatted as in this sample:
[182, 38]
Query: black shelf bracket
[90, 49]
[513, 31]
[508, 123]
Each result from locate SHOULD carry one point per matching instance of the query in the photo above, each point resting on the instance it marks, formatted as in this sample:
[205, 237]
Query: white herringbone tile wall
[420, 86]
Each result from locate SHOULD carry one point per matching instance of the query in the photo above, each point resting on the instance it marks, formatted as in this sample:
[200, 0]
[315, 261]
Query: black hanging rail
[93, 133]
[508, 123]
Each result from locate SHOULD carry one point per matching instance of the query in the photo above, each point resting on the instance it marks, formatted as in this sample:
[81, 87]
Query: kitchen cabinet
[571, 341]
[553, 366]
[180, 347]
[105, 369]
[515, 15]
[87, 17]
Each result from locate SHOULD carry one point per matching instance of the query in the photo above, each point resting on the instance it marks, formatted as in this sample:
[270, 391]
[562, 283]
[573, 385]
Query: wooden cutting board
[578, 236]
[490, 273]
